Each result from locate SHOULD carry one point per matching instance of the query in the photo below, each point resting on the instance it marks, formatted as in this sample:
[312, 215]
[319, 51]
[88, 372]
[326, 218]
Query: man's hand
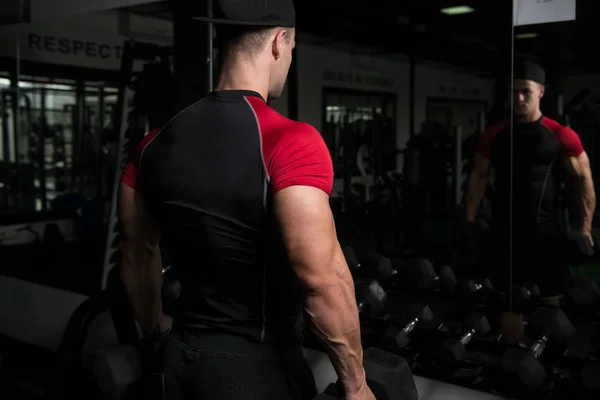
[587, 233]
[363, 394]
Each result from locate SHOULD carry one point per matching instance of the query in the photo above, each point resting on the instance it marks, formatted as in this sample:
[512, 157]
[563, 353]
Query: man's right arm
[301, 176]
[308, 232]
[477, 185]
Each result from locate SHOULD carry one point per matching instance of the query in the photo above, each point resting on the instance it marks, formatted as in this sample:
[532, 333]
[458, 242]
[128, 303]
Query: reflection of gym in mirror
[359, 129]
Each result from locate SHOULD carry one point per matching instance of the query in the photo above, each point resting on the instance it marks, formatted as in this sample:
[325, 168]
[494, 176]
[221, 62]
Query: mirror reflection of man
[538, 147]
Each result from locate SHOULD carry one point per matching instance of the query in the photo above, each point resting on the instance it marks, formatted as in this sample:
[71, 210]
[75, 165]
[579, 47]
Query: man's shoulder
[496, 128]
[554, 126]
[272, 122]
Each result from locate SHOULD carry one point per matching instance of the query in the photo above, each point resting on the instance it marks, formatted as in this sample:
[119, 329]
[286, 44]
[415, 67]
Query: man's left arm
[578, 164]
[580, 169]
[141, 263]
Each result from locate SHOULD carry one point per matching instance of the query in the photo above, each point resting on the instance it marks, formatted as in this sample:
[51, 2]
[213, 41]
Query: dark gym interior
[464, 187]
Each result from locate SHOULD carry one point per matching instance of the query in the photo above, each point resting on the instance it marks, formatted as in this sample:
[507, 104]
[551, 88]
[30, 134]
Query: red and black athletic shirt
[208, 178]
[538, 151]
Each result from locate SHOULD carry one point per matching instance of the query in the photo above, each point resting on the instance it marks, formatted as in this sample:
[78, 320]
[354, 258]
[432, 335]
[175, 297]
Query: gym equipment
[351, 259]
[477, 289]
[116, 369]
[579, 246]
[584, 293]
[113, 371]
[398, 337]
[171, 289]
[524, 364]
[525, 297]
[370, 297]
[389, 377]
[589, 374]
[453, 351]
[417, 272]
[447, 278]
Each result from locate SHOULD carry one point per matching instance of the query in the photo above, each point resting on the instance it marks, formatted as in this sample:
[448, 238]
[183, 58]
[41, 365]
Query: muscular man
[239, 195]
[540, 147]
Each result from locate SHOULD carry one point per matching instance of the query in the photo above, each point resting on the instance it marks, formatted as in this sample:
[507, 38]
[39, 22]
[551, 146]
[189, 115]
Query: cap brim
[233, 22]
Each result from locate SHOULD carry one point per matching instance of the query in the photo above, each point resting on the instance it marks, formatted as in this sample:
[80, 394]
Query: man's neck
[243, 76]
[529, 117]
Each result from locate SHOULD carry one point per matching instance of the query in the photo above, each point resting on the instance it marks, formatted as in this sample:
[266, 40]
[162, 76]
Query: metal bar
[99, 144]
[210, 47]
[457, 164]
[41, 149]
[81, 157]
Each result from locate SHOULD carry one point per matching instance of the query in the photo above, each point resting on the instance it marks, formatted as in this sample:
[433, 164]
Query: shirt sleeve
[130, 173]
[301, 159]
[485, 142]
[569, 144]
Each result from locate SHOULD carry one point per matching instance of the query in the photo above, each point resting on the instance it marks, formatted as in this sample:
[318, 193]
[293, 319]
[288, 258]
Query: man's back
[208, 177]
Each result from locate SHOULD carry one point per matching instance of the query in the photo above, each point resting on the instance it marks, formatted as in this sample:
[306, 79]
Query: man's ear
[281, 36]
[542, 90]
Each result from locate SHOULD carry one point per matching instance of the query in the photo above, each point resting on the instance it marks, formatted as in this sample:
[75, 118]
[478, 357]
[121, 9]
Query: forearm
[587, 203]
[141, 273]
[334, 320]
[475, 191]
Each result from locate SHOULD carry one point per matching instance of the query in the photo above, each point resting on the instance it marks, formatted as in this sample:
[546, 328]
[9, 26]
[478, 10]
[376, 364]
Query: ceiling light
[526, 35]
[457, 10]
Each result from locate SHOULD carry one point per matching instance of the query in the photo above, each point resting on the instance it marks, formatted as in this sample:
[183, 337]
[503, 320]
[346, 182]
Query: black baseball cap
[253, 13]
[528, 70]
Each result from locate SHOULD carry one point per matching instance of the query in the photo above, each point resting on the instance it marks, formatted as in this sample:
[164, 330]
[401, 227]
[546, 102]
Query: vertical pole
[99, 144]
[41, 149]
[482, 122]
[457, 164]
[81, 156]
[412, 72]
[210, 47]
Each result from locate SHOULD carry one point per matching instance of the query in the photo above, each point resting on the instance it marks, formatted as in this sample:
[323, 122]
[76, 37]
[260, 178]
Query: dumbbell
[417, 272]
[453, 350]
[579, 247]
[589, 375]
[370, 297]
[351, 259]
[171, 288]
[525, 297]
[475, 288]
[398, 337]
[389, 377]
[524, 364]
[584, 292]
[448, 279]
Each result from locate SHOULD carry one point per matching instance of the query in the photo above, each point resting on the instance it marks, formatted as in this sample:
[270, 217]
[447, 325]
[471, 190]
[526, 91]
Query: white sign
[89, 41]
[528, 12]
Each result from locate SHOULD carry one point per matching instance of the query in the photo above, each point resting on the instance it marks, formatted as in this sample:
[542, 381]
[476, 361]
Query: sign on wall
[454, 90]
[358, 79]
[528, 12]
[90, 49]
[90, 41]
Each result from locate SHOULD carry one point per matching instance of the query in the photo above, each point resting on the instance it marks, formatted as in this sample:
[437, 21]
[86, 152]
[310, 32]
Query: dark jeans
[216, 366]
